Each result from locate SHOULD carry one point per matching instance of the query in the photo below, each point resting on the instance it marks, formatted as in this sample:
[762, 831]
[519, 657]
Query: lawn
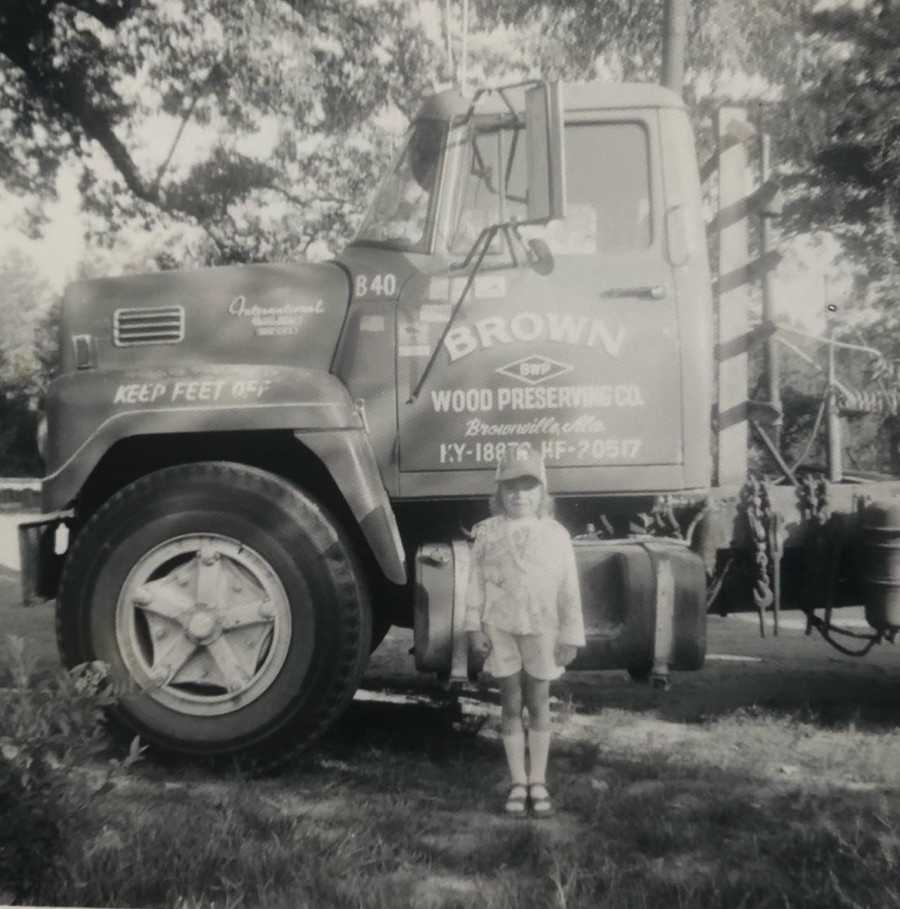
[771, 783]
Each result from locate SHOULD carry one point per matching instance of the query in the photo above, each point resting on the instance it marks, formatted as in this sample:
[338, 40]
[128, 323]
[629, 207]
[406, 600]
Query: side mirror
[544, 131]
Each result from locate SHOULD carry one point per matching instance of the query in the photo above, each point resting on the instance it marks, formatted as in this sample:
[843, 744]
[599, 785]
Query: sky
[58, 252]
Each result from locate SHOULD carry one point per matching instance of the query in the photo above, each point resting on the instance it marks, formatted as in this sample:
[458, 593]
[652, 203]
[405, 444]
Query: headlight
[42, 437]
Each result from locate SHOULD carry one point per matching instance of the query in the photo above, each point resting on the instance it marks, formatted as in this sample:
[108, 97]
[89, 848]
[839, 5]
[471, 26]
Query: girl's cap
[522, 462]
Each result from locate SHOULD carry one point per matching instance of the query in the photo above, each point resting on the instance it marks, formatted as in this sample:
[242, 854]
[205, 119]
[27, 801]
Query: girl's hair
[545, 508]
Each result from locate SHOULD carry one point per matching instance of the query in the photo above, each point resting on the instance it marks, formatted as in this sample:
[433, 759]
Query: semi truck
[254, 471]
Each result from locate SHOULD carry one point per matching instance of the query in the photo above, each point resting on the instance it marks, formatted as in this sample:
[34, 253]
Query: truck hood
[256, 314]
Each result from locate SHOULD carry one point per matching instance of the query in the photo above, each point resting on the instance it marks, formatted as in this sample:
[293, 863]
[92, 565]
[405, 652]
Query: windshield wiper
[536, 252]
[485, 238]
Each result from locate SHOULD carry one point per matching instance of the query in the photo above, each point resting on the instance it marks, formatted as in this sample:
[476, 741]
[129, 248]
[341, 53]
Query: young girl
[523, 610]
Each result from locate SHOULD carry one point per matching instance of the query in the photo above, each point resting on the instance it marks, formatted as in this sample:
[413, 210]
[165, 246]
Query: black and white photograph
[450, 454]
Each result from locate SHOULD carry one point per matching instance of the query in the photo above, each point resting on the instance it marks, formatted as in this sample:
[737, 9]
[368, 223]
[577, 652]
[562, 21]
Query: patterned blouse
[523, 579]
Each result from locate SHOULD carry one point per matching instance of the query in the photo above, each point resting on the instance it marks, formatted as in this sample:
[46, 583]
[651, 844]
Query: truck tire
[229, 603]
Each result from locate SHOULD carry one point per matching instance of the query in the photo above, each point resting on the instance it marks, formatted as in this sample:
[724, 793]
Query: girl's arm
[571, 621]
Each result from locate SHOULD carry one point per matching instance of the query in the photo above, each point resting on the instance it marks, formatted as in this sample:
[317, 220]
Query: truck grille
[150, 325]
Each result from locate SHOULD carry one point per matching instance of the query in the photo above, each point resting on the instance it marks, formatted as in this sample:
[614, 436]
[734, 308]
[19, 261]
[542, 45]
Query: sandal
[516, 799]
[541, 805]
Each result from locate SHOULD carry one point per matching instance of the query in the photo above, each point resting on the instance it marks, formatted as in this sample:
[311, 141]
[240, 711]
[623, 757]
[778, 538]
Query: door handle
[650, 292]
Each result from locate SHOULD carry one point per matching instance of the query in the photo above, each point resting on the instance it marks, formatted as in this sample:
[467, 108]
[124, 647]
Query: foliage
[25, 297]
[18, 427]
[623, 38]
[839, 131]
[844, 135]
[827, 76]
[245, 119]
[50, 729]
[262, 123]
[28, 313]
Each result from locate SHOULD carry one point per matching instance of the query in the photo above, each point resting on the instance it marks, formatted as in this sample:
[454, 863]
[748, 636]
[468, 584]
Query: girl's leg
[537, 700]
[511, 726]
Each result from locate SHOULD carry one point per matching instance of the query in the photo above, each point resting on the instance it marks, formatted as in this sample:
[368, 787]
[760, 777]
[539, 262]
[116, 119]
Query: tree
[258, 122]
[841, 131]
[26, 299]
[622, 39]
[846, 137]
[244, 119]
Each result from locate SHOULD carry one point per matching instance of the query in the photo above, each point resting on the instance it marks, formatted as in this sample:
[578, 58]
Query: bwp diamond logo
[534, 369]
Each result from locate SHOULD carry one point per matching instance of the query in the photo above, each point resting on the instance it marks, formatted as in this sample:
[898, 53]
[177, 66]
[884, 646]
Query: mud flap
[40, 565]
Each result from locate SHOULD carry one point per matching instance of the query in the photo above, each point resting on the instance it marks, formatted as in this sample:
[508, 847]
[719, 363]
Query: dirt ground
[791, 673]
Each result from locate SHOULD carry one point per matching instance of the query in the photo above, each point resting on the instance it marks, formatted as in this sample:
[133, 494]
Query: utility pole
[674, 41]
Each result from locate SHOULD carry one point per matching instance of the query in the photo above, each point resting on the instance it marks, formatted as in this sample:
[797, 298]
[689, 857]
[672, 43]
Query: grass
[794, 804]
[398, 808]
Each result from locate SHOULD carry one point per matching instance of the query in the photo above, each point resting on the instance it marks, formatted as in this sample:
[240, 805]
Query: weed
[50, 728]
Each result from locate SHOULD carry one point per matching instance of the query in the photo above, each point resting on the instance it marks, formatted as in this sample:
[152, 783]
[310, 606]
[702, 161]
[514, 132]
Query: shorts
[510, 653]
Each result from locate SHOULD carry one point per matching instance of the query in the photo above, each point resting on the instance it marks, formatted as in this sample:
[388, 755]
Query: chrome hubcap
[203, 624]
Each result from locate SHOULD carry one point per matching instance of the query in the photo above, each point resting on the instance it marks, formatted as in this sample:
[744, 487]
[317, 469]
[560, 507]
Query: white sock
[538, 750]
[514, 745]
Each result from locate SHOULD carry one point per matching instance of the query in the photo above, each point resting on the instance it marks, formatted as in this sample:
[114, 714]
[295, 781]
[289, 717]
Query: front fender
[348, 457]
[88, 412]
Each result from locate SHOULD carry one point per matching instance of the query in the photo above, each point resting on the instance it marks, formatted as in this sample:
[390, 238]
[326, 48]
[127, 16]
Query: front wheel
[229, 603]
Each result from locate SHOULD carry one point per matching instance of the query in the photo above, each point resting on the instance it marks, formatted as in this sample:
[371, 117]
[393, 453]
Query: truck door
[582, 361]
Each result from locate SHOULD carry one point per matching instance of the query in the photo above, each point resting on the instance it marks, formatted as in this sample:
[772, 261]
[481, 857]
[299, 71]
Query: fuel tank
[644, 605]
[251, 314]
[880, 553]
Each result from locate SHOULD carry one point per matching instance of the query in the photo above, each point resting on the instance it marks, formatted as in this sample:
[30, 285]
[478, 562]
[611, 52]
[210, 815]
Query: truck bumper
[40, 564]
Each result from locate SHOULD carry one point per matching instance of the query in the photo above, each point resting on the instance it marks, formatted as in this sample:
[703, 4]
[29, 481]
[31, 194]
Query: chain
[826, 629]
[665, 524]
[812, 495]
[660, 521]
[758, 511]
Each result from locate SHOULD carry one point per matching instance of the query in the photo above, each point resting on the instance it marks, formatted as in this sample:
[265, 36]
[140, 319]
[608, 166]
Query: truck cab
[598, 354]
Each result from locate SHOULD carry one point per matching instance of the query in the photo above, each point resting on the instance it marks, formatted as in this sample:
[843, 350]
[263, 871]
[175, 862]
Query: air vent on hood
[150, 325]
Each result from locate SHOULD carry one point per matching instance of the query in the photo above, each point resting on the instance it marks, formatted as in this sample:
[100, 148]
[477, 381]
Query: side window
[608, 190]
[608, 185]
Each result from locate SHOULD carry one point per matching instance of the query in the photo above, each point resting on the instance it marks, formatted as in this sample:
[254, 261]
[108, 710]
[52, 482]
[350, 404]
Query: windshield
[401, 213]
[607, 190]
